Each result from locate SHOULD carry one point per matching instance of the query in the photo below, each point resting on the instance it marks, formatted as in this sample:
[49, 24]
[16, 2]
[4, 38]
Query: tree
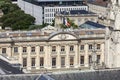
[17, 20]
[53, 23]
[7, 8]
[14, 17]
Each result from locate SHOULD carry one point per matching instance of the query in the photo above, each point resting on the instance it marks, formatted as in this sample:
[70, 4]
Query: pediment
[63, 36]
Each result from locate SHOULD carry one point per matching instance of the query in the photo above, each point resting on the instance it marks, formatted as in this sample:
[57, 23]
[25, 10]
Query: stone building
[60, 50]
[112, 39]
[99, 7]
[77, 16]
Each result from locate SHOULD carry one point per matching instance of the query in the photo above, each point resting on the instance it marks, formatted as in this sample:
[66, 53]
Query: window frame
[90, 46]
[41, 48]
[33, 49]
[53, 48]
[4, 50]
[71, 60]
[72, 48]
[33, 62]
[62, 48]
[24, 49]
[82, 47]
[15, 49]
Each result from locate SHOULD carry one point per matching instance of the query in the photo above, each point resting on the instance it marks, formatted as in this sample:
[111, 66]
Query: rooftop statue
[115, 13]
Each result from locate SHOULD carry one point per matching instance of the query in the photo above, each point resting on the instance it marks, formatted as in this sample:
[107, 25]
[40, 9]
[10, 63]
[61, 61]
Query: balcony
[42, 52]
[24, 53]
[16, 53]
[62, 52]
[53, 52]
[72, 52]
[82, 51]
[33, 53]
[53, 66]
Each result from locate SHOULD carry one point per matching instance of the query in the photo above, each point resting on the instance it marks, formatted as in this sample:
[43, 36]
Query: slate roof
[73, 12]
[45, 77]
[8, 69]
[91, 25]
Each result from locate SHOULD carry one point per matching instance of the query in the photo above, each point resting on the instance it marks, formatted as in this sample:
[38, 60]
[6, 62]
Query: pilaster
[37, 57]
[28, 58]
[86, 55]
[20, 54]
[67, 61]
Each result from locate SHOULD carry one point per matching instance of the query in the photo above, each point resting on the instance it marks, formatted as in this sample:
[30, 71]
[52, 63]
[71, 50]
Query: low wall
[78, 75]
[91, 75]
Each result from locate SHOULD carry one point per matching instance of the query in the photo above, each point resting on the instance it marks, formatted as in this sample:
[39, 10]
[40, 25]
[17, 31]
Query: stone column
[20, 55]
[86, 55]
[48, 57]
[37, 57]
[8, 51]
[28, 58]
[58, 57]
[102, 53]
[67, 61]
[76, 58]
[46, 50]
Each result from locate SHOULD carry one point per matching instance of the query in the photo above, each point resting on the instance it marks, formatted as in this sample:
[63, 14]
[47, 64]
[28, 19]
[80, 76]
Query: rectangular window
[41, 48]
[71, 48]
[53, 62]
[82, 47]
[62, 61]
[71, 61]
[90, 46]
[98, 59]
[32, 49]
[82, 60]
[53, 48]
[62, 48]
[3, 50]
[24, 49]
[98, 46]
[90, 59]
[15, 49]
[24, 62]
[41, 61]
[33, 62]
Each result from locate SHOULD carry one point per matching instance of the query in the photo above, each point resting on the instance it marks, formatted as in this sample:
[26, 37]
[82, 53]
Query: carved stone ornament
[62, 36]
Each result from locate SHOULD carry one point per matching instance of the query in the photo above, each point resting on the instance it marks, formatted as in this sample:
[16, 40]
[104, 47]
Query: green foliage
[5, 4]
[53, 23]
[15, 18]
[72, 24]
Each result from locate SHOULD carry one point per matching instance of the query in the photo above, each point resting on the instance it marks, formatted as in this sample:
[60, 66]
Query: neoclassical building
[78, 17]
[60, 50]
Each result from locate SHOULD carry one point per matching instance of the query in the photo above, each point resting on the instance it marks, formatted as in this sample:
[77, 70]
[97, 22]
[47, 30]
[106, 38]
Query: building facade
[113, 36]
[101, 10]
[44, 10]
[56, 51]
[77, 16]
